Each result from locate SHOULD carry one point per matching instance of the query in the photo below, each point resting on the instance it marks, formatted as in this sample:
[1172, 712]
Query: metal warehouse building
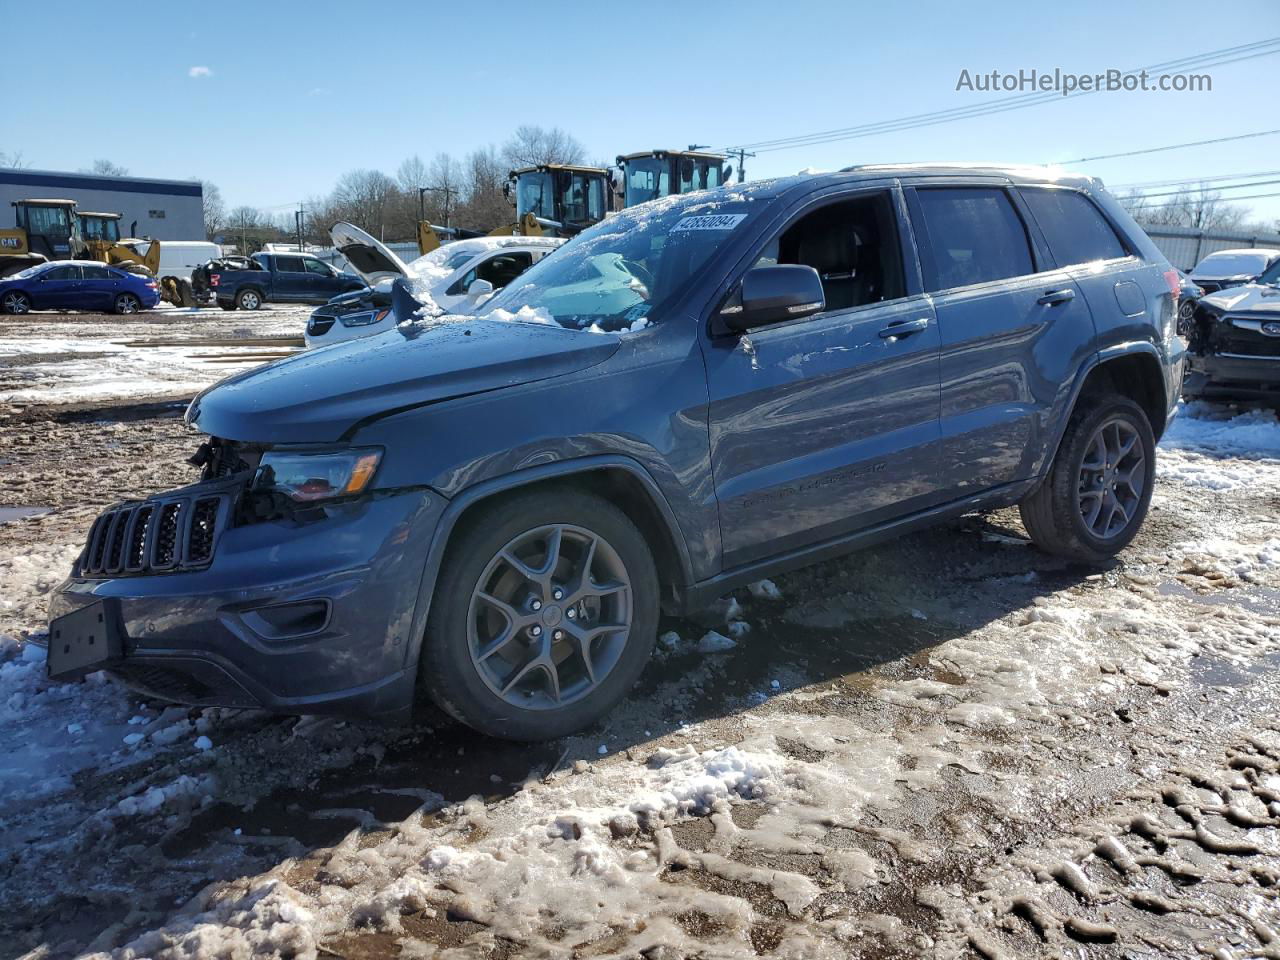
[163, 209]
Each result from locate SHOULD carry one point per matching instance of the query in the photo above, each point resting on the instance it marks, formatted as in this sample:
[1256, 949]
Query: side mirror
[727, 175]
[784, 291]
[479, 288]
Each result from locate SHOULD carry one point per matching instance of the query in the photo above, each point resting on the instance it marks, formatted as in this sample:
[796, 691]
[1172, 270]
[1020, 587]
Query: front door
[58, 289]
[828, 424]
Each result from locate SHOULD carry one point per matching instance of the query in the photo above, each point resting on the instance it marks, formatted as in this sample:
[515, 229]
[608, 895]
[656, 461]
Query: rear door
[1012, 327]
[290, 280]
[828, 424]
[58, 288]
[99, 288]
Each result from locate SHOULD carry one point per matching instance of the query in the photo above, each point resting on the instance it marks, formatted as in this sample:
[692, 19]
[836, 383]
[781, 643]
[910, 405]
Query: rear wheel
[543, 618]
[248, 299]
[1096, 496]
[16, 302]
[127, 303]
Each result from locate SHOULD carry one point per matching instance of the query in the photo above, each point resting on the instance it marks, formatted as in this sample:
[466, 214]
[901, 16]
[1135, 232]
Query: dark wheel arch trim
[1137, 348]
[446, 526]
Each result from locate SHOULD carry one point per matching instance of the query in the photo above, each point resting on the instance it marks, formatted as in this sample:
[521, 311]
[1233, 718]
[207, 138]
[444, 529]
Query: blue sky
[292, 95]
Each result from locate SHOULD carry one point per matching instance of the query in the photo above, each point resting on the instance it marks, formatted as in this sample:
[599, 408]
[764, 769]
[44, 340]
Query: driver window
[318, 267]
[502, 269]
[854, 247]
[63, 273]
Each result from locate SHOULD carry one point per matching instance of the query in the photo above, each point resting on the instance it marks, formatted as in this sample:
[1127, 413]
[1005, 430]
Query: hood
[370, 258]
[1257, 299]
[320, 395]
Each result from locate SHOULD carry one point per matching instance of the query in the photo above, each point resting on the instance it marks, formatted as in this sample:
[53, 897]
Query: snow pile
[1207, 446]
[525, 314]
[1232, 558]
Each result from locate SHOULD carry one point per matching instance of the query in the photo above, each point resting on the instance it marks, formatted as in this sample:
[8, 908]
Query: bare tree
[13, 160]
[215, 211]
[364, 197]
[1201, 209]
[531, 145]
[485, 206]
[105, 168]
[412, 174]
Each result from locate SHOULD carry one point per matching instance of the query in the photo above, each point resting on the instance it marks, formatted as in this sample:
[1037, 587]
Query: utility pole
[447, 191]
[742, 155]
[297, 216]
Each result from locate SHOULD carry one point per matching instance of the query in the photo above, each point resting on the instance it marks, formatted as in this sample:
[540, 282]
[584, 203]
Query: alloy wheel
[1113, 476]
[15, 303]
[549, 617]
[127, 305]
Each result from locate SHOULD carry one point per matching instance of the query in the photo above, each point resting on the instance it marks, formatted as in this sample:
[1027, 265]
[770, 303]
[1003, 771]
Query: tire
[1060, 515]
[248, 299]
[562, 695]
[16, 302]
[126, 303]
[226, 306]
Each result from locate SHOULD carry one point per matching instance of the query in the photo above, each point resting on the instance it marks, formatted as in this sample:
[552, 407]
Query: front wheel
[1096, 496]
[543, 618]
[127, 303]
[16, 302]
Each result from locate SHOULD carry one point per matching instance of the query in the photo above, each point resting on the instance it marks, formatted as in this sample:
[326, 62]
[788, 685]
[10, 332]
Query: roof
[47, 201]
[95, 213]
[571, 167]
[672, 153]
[95, 181]
[1237, 251]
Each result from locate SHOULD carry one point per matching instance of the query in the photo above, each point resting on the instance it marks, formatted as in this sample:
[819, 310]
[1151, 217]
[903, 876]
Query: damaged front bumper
[308, 614]
[1211, 376]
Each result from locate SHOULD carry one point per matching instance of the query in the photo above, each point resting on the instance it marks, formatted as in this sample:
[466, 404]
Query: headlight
[308, 477]
[364, 318]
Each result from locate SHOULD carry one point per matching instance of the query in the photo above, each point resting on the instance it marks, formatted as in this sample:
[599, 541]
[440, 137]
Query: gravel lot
[948, 746]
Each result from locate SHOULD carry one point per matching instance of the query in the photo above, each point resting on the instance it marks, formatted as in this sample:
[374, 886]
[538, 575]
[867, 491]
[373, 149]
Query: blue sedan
[77, 285]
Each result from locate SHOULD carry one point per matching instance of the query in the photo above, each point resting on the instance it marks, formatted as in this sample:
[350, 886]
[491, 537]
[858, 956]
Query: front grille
[318, 326]
[155, 536]
[1245, 337]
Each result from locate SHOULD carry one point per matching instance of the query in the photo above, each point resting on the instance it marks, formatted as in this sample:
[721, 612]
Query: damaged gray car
[1234, 342]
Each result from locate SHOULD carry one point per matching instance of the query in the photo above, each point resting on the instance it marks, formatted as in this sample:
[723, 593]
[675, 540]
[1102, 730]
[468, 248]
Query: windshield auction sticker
[723, 221]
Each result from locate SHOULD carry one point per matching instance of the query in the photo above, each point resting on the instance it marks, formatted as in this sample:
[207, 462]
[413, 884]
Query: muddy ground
[950, 745]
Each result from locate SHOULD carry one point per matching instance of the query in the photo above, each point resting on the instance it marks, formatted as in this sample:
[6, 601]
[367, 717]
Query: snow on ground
[1221, 449]
[71, 358]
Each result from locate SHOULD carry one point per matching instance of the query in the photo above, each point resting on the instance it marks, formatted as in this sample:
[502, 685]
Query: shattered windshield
[612, 277]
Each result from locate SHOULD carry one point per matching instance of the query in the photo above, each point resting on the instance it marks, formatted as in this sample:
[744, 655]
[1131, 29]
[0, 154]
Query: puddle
[1254, 598]
[8, 514]
[1211, 671]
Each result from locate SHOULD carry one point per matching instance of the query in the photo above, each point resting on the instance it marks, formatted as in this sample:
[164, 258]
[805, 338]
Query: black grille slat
[114, 559]
[167, 533]
[204, 518]
[97, 542]
[136, 551]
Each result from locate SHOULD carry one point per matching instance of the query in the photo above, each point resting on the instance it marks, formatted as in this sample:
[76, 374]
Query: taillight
[152, 285]
[214, 278]
[1174, 281]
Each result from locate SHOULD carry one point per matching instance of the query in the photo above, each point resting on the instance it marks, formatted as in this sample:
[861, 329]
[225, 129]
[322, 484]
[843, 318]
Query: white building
[162, 209]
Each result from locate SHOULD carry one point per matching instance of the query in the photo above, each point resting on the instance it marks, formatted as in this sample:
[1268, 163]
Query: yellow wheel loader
[51, 229]
[555, 199]
[101, 235]
[663, 173]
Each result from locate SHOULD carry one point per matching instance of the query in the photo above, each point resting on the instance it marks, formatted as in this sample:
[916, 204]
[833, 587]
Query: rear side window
[97, 273]
[972, 235]
[1075, 230]
[290, 265]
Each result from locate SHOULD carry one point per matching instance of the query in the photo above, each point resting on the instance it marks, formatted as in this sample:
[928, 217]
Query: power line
[1172, 146]
[1238, 186]
[1211, 58]
[1177, 181]
[1251, 196]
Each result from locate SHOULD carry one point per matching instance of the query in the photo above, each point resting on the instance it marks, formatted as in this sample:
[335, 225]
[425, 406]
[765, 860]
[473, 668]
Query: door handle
[904, 328]
[1052, 298]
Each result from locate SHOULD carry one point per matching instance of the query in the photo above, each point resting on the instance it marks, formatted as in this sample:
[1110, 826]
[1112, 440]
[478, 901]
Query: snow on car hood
[317, 396]
[1253, 298]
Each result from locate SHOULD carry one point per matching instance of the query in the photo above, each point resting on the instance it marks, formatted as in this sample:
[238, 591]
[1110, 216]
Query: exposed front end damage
[227, 593]
[1234, 345]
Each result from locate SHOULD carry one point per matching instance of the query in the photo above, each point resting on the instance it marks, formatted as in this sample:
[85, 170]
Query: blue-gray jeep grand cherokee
[691, 395]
